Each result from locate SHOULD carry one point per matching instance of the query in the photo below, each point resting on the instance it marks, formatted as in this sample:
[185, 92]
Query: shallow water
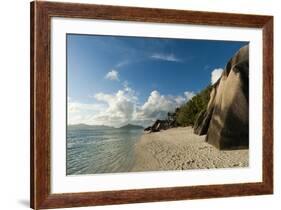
[101, 150]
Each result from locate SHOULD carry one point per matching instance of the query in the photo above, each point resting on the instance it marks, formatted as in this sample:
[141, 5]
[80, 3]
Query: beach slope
[180, 149]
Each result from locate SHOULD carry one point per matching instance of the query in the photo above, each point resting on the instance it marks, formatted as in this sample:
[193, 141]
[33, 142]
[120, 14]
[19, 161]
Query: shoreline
[181, 149]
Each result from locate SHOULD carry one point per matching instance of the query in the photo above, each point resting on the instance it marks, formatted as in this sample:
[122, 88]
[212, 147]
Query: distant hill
[87, 127]
[131, 127]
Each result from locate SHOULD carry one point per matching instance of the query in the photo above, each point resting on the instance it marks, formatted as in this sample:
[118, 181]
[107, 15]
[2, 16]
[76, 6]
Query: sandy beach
[180, 149]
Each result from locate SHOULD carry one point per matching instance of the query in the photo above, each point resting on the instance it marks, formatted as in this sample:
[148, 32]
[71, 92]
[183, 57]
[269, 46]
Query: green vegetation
[188, 113]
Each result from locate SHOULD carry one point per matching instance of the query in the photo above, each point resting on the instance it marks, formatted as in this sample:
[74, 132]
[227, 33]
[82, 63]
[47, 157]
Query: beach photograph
[144, 104]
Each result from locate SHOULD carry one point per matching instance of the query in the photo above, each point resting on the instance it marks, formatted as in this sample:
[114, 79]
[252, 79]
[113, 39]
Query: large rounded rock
[226, 119]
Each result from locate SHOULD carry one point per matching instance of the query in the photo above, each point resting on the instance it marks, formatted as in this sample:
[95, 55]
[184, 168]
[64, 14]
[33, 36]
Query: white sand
[179, 149]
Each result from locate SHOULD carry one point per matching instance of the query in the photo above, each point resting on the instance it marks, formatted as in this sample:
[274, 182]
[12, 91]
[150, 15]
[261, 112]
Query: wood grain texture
[40, 106]
[41, 14]
[268, 104]
[32, 142]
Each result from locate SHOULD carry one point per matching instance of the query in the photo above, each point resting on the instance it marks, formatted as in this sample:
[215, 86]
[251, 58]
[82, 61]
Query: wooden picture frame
[41, 14]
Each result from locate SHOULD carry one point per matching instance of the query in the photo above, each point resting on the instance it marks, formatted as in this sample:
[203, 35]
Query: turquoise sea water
[100, 150]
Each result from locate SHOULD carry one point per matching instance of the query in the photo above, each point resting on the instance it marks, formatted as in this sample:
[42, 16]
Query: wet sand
[180, 149]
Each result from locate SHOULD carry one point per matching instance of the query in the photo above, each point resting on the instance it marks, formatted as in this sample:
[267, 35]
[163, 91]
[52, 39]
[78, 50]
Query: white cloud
[189, 95]
[123, 107]
[112, 75]
[216, 74]
[179, 99]
[82, 112]
[75, 107]
[165, 57]
[157, 106]
[120, 104]
[120, 109]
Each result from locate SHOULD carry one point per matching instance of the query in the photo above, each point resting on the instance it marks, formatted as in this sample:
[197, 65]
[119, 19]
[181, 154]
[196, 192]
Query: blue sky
[140, 70]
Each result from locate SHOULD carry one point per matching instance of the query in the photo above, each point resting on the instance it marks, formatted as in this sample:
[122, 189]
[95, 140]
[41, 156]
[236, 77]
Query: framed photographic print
[139, 105]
